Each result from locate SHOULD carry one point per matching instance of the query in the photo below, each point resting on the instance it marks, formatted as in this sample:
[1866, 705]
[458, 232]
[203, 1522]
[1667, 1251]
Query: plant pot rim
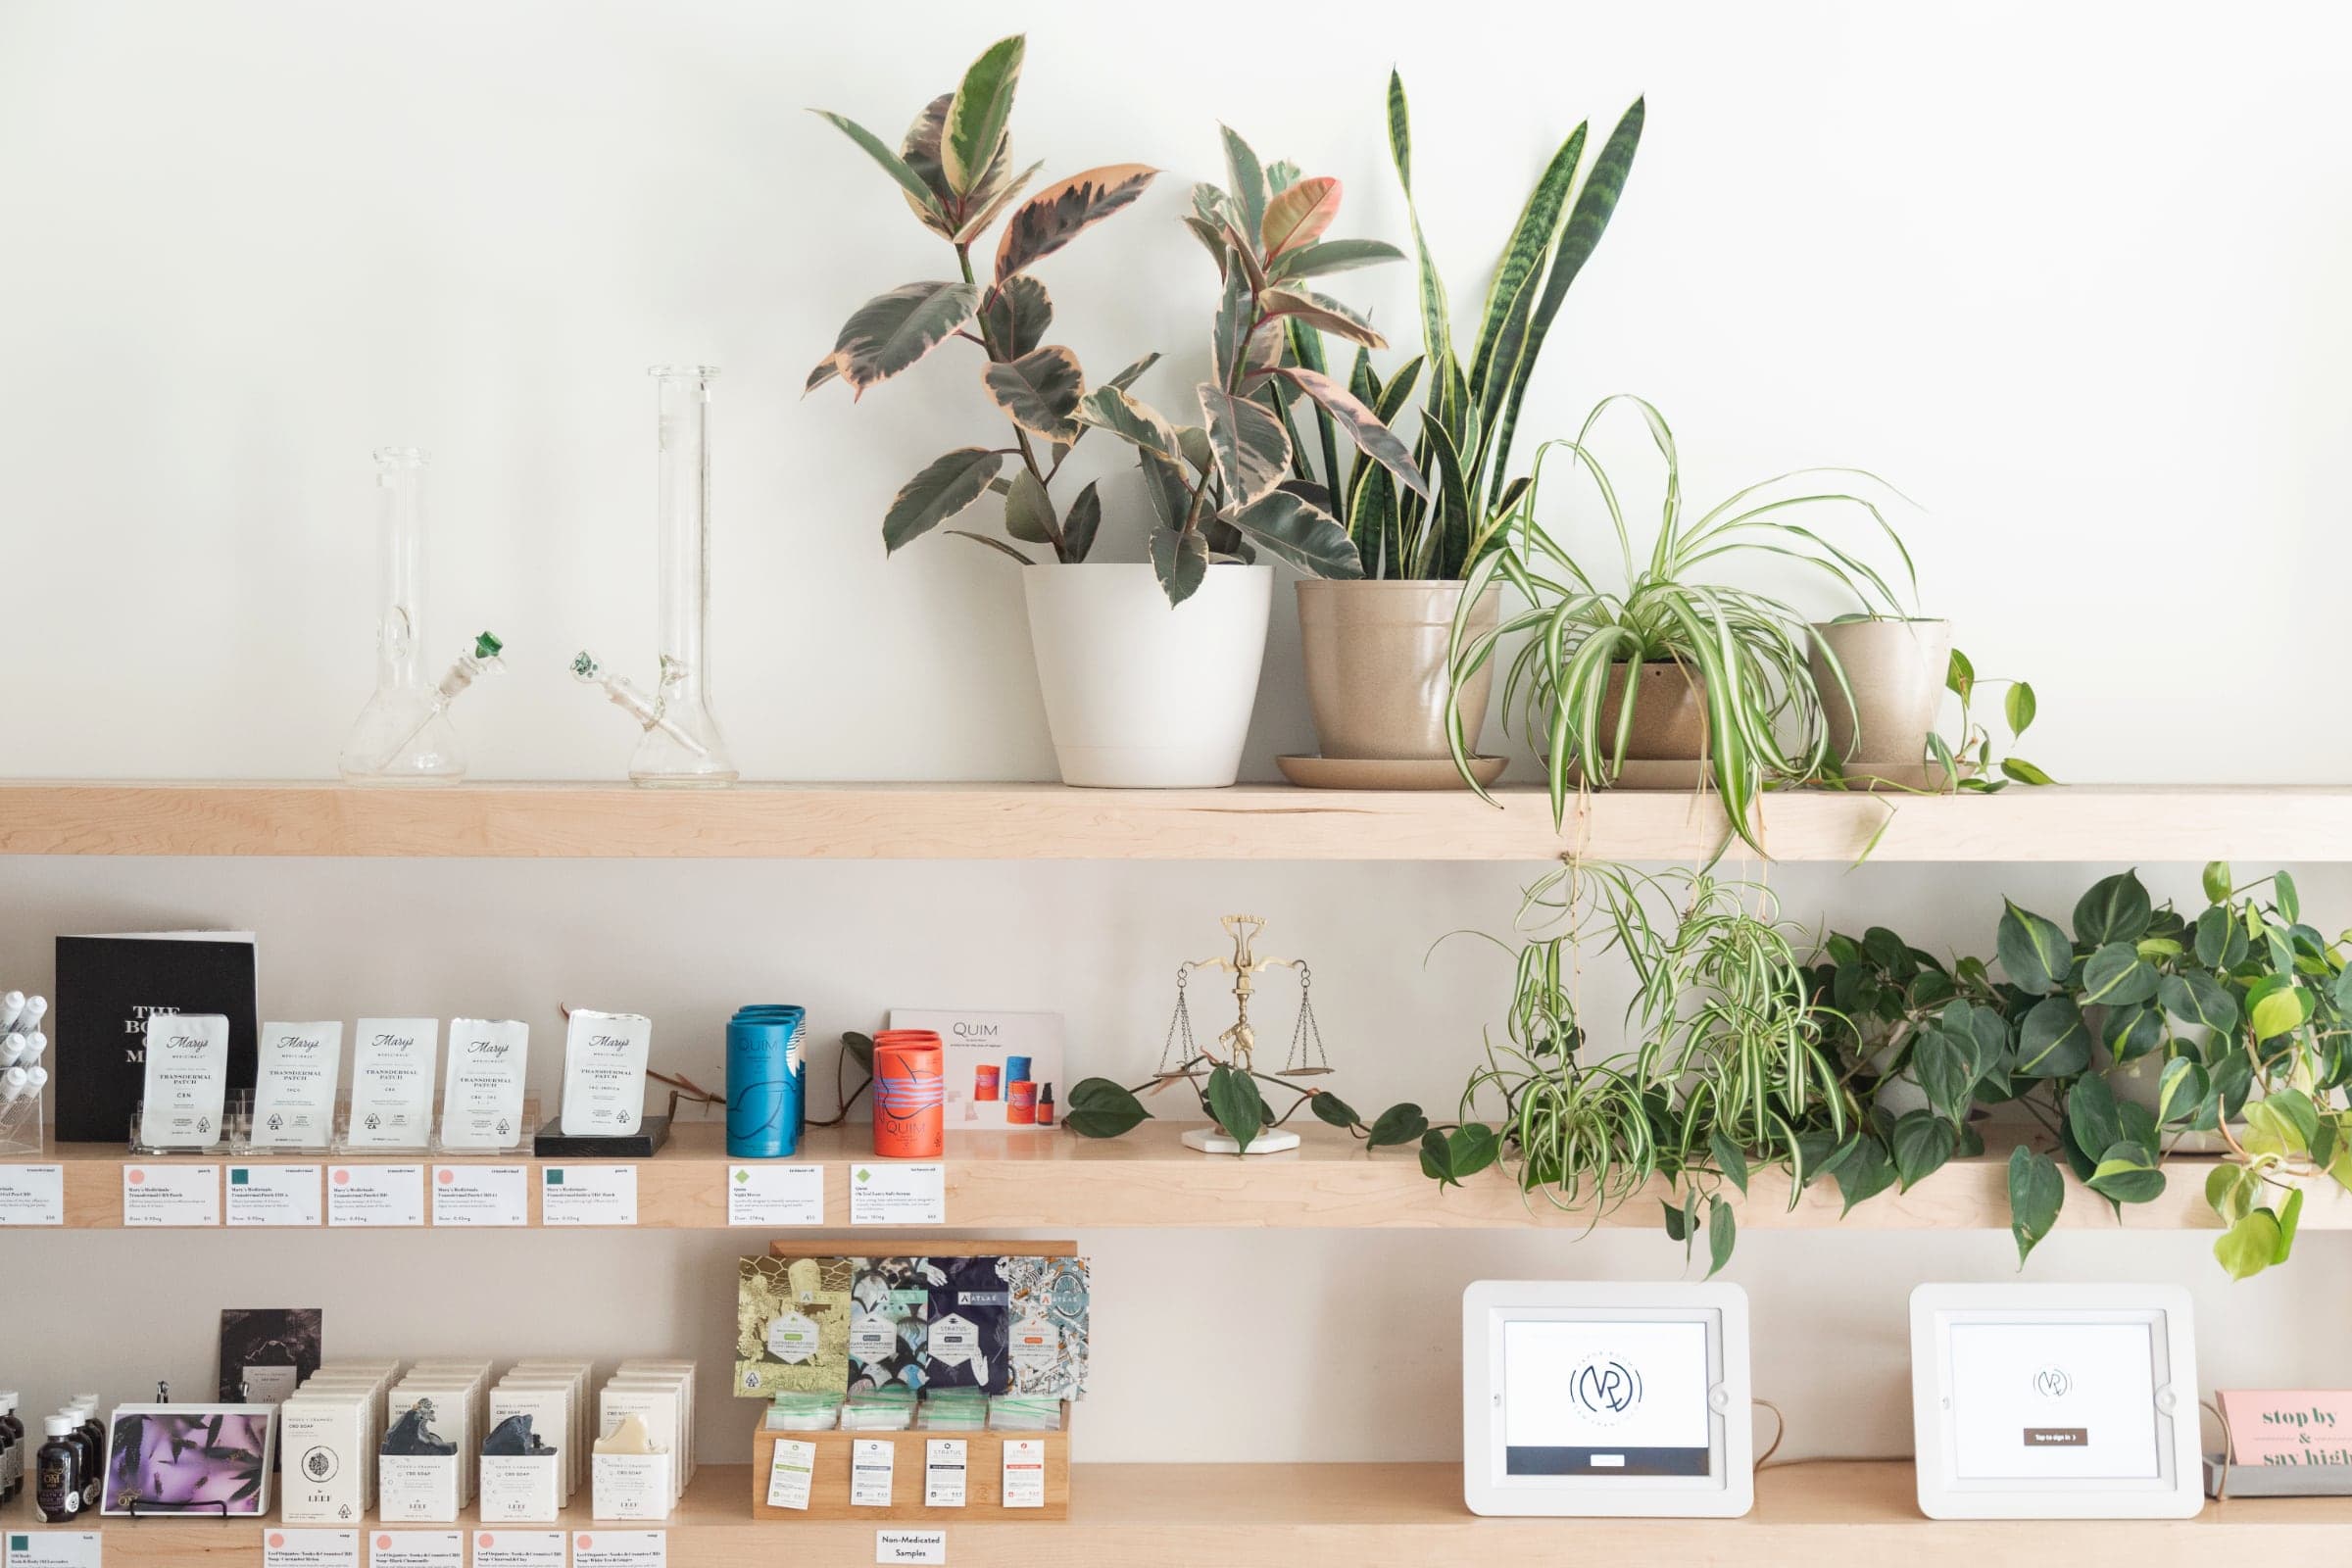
[1392, 584]
[1882, 620]
[1137, 566]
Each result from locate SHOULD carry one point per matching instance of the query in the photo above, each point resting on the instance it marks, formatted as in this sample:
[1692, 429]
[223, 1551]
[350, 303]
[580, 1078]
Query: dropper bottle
[57, 1472]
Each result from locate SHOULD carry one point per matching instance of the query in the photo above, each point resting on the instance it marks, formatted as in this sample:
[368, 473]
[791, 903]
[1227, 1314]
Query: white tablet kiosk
[2055, 1402]
[1606, 1399]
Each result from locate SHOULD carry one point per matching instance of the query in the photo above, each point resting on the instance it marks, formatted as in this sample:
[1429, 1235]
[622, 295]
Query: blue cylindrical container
[764, 1093]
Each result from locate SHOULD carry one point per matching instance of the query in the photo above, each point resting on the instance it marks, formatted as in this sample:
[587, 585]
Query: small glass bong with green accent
[402, 736]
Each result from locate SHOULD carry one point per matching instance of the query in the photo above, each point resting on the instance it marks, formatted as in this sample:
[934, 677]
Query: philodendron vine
[2108, 1041]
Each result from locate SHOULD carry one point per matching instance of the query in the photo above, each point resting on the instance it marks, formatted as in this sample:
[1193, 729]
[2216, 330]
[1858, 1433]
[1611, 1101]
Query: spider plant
[1743, 652]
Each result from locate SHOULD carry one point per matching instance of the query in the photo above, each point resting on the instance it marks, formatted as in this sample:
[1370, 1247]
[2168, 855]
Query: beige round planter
[1376, 673]
[1670, 713]
[1896, 669]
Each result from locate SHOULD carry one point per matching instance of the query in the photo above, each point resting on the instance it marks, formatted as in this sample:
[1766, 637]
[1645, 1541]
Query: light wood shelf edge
[1346, 1515]
[1049, 821]
[1058, 1179]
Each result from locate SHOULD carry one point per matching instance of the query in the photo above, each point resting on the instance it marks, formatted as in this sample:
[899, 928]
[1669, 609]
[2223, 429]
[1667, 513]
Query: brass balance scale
[1183, 1060]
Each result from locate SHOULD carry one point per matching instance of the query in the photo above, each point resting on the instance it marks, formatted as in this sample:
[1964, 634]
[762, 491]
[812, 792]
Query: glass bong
[682, 745]
[402, 736]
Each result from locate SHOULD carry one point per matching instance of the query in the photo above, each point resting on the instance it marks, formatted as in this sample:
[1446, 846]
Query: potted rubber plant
[1664, 677]
[1375, 647]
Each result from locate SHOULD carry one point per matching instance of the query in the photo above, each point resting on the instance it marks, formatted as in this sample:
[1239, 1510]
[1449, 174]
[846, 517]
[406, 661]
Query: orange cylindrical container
[909, 1094]
[985, 1078]
[1020, 1103]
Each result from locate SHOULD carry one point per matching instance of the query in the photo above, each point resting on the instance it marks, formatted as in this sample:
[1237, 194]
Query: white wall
[2068, 275]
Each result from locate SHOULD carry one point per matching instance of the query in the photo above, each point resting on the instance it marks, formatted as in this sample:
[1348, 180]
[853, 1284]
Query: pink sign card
[2290, 1426]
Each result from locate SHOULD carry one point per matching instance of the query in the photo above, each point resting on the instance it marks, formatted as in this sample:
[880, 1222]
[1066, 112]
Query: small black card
[266, 1352]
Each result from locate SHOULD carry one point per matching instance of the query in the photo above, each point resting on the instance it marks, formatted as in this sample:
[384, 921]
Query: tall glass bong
[682, 745]
[402, 736]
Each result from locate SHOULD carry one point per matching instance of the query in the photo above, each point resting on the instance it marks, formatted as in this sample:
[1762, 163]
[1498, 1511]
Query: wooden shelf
[1002, 1181]
[1347, 1515]
[1047, 822]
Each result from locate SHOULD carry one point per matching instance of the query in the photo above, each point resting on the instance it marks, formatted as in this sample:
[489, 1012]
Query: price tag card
[33, 1195]
[588, 1195]
[277, 1194]
[911, 1545]
[310, 1549]
[53, 1549]
[170, 1195]
[944, 1470]
[375, 1195]
[775, 1195]
[790, 1472]
[871, 1462]
[417, 1548]
[888, 1193]
[481, 1195]
[1024, 1472]
[519, 1548]
[620, 1548]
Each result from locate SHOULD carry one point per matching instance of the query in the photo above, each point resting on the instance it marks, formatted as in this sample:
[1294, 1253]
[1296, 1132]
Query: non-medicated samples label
[273, 1196]
[481, 1195]
[170, 1195]
[871, 1462]
[944, 1472]
[375, 1195]
[588, 1195]
[33, 1195]
[310, 1548]
[790, 1472]
[911, 1545]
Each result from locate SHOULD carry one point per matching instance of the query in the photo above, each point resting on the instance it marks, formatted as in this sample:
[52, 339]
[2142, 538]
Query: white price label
[519, 1548]
[944, 1470]
[588, 1195]
[775, 1195]
[275, 1195]
[911, 1545]
[886, 1192]
[417, 1548]
[375, 1195]
[310, 1548]
[170, 1195]
[1024, 1472]
[620, 1548]
[33, 1195]
[871, 1462]
[481, 1195]
[790, 1472]
[54, 1548]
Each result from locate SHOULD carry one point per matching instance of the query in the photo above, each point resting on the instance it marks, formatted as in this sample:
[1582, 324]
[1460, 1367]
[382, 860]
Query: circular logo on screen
[1606, 1388]
[320, 1464]
[2052, 1383]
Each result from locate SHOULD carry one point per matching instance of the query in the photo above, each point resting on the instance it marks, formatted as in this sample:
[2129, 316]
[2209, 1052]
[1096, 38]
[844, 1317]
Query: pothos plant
[955, 168]
[2242, 1013]
[1237, 482]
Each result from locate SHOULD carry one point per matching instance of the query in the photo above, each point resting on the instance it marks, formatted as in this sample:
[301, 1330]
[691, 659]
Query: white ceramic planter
[1141, 694]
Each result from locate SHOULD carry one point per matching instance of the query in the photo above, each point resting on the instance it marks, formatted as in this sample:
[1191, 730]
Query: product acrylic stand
[236, 1129]
[1306, 1058]
[23, 1081]
[402, 736]
[682, 745]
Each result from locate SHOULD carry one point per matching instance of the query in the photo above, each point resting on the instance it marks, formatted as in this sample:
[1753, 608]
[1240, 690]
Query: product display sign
[481, 1104]
[1606, 1400]
[294, 1087]
[604, 1073]
[2288, 1426]
[186, 1080]
[392, 1066]
[2054, 1401]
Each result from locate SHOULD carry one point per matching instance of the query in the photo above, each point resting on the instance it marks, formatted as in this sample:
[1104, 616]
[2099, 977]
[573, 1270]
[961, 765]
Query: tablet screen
[1583, 1396]
[2034, 1402]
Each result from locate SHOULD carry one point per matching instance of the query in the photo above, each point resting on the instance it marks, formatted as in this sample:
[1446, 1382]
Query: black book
[106, 989]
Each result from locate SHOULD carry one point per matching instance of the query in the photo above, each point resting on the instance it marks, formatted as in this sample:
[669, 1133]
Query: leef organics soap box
[328, 1459]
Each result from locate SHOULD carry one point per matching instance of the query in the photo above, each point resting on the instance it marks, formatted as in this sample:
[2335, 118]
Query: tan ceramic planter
[1670, 714]
[1376, 675]
[1897, 670]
